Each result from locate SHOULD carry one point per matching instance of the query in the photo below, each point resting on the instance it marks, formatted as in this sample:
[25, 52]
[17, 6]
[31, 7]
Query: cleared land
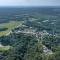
[10, 25]
[4, 48]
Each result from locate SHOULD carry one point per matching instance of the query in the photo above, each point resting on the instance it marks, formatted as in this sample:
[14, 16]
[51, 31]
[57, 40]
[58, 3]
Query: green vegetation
[36, 34]
[9, 25]
[4, 48]
[26, 47]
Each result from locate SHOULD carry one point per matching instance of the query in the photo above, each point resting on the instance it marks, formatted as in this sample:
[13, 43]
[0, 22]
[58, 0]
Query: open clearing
[4, 48]
[10, 25]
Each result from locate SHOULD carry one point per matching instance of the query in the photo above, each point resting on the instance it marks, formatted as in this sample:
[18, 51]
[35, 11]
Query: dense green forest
[30, 33]
[27, 47]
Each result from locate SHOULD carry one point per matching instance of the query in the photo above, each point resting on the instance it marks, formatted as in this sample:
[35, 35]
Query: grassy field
[10, 25]
[4, 48]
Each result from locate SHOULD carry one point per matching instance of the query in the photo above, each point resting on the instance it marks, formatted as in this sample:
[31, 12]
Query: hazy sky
[29, 2]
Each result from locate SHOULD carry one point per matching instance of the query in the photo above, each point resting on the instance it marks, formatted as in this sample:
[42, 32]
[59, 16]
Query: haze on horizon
[29, 2]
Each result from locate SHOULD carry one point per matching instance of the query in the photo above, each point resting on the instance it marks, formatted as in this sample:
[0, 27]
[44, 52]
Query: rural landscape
[30, 33]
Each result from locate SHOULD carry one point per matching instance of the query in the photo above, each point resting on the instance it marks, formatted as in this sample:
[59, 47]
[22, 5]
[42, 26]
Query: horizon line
[29, 6]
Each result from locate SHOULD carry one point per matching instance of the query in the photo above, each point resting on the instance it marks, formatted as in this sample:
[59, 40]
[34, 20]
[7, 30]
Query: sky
[29, 2]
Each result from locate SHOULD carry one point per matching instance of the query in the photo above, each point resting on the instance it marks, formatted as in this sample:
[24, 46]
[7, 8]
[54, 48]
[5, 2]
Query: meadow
[4, 48]
[9, 25]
